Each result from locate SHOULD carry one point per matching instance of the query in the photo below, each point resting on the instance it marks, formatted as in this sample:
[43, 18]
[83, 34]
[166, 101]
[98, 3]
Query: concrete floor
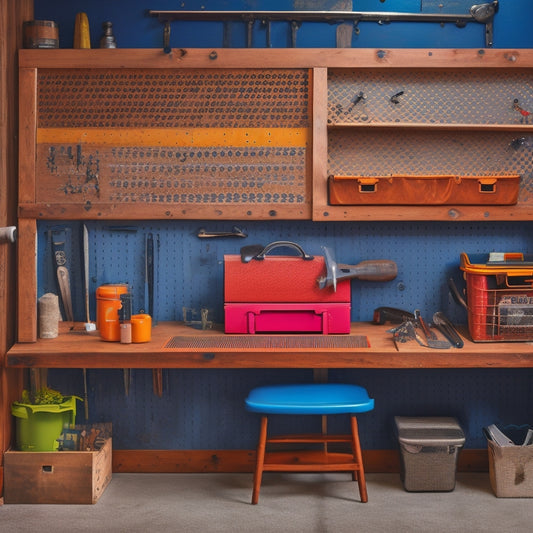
[288, 503]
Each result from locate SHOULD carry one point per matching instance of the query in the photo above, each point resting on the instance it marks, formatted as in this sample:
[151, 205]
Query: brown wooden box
[57, 477]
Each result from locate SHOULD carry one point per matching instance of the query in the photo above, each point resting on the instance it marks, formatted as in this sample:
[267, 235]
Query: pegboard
[469, 96]
[189, 271]
[172, 98]
[204, 409]
[171, 137]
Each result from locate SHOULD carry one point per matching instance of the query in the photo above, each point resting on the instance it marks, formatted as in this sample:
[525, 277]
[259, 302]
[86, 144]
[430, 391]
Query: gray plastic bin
[429, 448]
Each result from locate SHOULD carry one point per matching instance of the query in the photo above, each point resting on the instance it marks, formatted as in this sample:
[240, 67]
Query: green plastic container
[39, 426]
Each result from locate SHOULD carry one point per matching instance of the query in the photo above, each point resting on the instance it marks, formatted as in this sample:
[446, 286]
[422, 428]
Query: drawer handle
[367, 185]
[487, 185]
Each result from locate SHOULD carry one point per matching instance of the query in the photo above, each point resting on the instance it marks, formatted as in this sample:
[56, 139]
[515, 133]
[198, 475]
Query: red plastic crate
[500, 301]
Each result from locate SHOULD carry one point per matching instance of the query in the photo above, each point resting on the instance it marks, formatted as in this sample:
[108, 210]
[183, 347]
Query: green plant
[44, 396]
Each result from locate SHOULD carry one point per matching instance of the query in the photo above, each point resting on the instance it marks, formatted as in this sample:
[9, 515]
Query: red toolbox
[280, 294]
[499, 298]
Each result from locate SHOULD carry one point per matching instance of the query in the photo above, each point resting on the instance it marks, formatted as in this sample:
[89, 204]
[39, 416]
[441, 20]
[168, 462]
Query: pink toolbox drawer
[328, 318]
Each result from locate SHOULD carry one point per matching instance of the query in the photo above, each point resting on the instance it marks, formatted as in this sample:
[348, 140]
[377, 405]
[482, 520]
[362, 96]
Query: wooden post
[12, 14]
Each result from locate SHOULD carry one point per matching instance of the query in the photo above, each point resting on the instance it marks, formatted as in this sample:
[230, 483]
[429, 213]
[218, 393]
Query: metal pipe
[320, 16]
[480, 13]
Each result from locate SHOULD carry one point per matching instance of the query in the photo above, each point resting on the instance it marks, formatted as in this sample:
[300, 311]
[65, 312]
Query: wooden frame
[12, 14]
[62, 352]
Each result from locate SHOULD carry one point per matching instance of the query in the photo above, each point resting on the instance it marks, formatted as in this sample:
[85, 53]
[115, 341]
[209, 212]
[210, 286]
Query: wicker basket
[511, 470]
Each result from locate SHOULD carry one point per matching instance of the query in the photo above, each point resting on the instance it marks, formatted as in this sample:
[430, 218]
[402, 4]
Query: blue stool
[309, 399]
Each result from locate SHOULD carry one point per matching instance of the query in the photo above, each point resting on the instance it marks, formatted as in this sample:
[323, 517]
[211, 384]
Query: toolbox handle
[277, 244]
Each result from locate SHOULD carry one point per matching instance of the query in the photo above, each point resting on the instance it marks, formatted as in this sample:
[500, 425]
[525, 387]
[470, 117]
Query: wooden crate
[57, 477]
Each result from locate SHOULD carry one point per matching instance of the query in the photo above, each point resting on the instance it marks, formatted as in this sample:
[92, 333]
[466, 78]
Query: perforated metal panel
[173, 137]
[481, 96]
[145, 98]
[297, 342]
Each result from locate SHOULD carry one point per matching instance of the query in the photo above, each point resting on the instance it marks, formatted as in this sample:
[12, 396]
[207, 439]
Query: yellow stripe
[297, 137]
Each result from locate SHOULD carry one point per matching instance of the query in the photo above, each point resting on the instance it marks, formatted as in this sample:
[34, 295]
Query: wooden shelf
[427, 126]
[446, 213]
[77, 349]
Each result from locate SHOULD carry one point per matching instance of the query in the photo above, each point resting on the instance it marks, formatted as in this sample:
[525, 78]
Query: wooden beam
[12, 14]
[231, 461]
[215, 58]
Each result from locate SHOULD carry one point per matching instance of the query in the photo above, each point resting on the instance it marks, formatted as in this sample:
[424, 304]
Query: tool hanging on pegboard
[151, 255]
[61, 261]
[478, 13]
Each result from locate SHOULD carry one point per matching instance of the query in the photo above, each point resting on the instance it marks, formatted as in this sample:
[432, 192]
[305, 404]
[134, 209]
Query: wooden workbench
[74, 348]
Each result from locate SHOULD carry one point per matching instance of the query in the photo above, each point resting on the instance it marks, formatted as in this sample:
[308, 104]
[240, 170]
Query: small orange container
[141, 328]
[107, 306]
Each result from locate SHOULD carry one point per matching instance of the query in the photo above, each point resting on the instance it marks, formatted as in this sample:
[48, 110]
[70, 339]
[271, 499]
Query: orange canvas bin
[423, 190]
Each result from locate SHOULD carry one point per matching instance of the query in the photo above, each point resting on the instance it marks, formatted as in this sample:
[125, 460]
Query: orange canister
[107, 306]
[141, 328]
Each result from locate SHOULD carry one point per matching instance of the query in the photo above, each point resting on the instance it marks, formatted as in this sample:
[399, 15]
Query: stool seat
[309, 399]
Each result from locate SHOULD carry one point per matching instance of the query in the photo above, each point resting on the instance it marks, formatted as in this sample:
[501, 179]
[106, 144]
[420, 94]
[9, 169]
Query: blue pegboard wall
[189, 271]
[204, 408]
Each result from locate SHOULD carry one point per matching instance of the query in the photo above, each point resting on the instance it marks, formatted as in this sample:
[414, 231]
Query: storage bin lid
[429, 431]
[487, 269]
[111, 291]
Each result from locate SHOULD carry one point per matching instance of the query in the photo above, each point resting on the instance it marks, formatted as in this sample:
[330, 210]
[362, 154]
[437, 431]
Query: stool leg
[260, 459]
[359, 458]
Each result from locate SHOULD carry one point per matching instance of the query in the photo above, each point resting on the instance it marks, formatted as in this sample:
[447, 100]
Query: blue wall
[204, 408]
[134, 29]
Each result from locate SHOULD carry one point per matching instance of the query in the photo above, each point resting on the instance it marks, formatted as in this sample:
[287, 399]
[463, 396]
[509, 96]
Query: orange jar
[107, 306]
[141, 328]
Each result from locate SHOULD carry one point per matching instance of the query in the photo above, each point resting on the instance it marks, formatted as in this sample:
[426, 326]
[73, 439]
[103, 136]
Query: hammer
[372, 270]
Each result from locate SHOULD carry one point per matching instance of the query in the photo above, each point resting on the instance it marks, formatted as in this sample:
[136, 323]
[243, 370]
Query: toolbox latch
[367, 185]
[487, 185]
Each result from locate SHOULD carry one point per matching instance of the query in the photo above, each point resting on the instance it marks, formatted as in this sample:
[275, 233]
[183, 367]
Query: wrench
[235, 232]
